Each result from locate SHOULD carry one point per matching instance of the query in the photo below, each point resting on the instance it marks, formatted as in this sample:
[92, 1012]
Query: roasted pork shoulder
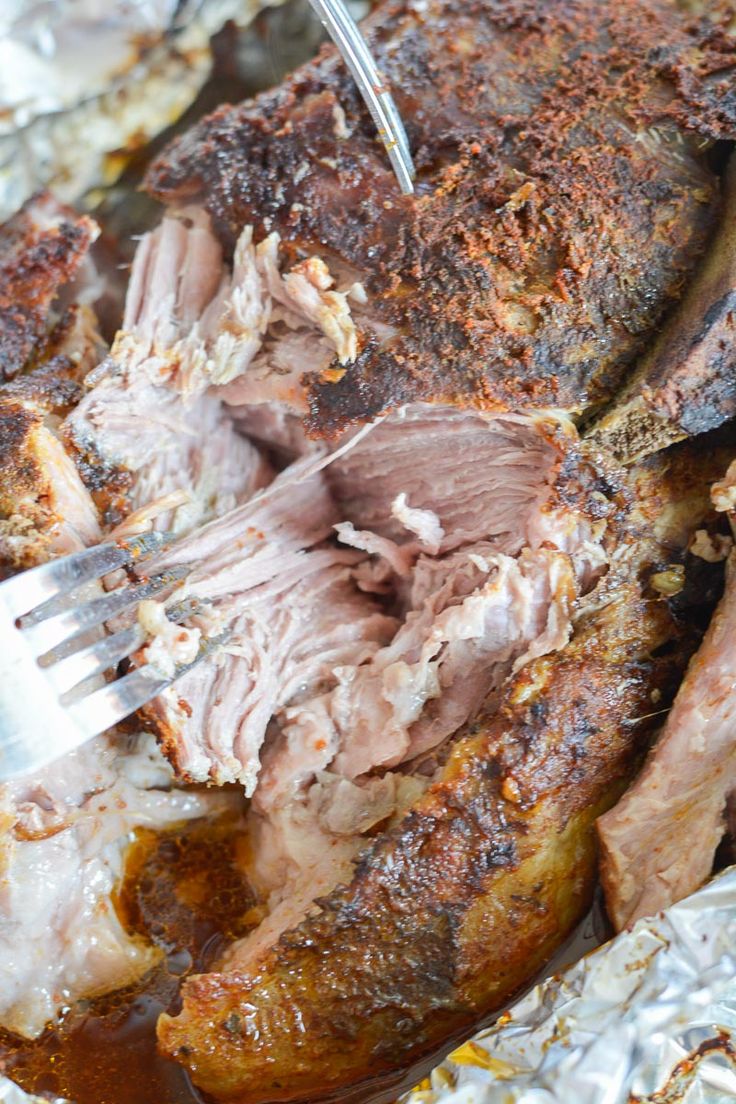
[559, 207]
[461, 896]
[442, 650]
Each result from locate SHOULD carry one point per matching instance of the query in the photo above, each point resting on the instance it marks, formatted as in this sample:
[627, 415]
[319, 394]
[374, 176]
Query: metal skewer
[344, 32]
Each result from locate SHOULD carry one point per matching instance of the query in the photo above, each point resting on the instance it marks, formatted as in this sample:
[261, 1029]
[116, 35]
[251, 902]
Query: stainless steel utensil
[344, 32]
[47, 658]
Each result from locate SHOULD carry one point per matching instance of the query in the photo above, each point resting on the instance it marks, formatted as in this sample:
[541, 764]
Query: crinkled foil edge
[648, 1018]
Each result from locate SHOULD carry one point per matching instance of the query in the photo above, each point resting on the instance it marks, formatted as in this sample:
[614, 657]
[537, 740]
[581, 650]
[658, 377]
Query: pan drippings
[184, 891]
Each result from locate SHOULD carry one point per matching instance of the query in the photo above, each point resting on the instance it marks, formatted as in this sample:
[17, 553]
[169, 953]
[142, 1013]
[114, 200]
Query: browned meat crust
[34, 469]
[686, 384]
[451, 912]
[564, 193]
[448, 915]
[46, 349]
[41, 248]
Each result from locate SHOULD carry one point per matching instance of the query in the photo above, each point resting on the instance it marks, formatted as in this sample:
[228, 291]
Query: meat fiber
[146, 428]
[649, 859]
[464, 896]
[64, 835]
[558, 212]
[281, 594]
[290, 612]
[471, 619]
[462, 476]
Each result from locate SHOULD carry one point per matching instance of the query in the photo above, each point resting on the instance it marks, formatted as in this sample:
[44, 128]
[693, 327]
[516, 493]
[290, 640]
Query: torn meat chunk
[658, 843]
[211, 322]
[147, 428]
[290, 611]
[64, 835]
[436, 478]
[468, 619]
[472, 618]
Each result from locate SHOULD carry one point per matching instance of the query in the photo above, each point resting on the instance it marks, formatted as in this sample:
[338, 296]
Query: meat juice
[184, 891]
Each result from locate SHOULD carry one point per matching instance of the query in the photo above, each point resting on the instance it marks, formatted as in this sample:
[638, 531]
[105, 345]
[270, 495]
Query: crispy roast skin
[564, 193]
[448, 914]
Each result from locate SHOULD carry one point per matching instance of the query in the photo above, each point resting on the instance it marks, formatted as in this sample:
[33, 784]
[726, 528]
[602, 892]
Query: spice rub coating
[564, 194]
[42, 247]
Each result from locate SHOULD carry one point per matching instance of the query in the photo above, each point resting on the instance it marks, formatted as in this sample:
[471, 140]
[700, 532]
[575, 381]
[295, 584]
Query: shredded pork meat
[460, 477]
[372, 603]
[369, 598]
[146, 421]
[291, 613]
[472, 618]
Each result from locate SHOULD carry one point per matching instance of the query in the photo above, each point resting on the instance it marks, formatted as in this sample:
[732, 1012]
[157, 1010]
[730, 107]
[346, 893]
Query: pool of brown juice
[185, 892]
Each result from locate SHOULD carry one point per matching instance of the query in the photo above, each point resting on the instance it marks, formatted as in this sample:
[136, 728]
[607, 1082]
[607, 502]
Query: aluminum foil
[649, 1018]
[86, 83]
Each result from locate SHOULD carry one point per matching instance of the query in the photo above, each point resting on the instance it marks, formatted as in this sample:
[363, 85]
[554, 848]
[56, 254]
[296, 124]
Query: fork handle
[34, 728]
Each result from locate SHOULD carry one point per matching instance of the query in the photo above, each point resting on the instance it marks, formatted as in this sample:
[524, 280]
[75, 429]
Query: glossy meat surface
[563, 197]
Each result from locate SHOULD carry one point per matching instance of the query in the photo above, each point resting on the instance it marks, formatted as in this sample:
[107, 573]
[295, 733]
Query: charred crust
[51, 388]
[38, 257]
[23, 510]
[550, 231]
[108, 483]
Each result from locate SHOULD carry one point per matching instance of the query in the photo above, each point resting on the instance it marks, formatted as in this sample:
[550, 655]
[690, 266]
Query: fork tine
[26, 591]
[343, 18]
[110, 704]
[346, 35]
[42, 635]
[94, 659]
[31, 588]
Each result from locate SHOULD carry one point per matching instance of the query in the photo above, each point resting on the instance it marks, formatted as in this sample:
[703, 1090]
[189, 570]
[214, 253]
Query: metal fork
[344, 32]
[46, 657]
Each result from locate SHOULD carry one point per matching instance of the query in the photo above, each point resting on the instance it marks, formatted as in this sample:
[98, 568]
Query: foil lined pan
[649, 1018]
[85, 84]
